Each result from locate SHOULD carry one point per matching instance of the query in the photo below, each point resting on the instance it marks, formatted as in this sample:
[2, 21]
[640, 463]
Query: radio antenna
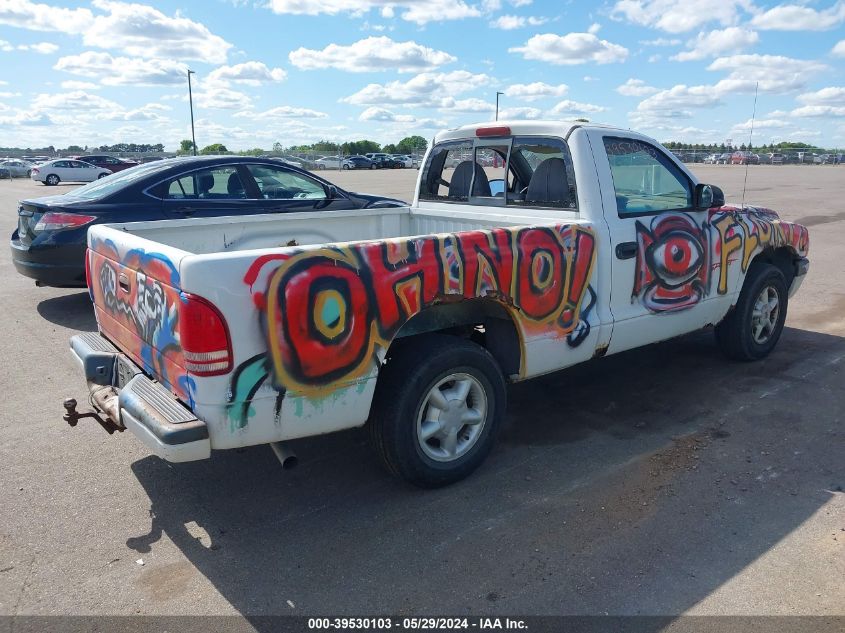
[750, 136]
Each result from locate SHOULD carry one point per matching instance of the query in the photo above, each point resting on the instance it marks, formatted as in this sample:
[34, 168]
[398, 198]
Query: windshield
[106, 186]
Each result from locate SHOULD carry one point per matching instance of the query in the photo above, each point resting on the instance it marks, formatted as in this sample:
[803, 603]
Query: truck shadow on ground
[72, 311]
[637, 484]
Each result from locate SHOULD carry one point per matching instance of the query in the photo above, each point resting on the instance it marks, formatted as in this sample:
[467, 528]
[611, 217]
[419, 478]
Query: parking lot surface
[665, 480]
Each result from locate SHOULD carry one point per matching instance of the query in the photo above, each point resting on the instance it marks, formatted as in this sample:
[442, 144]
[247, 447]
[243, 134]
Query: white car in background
[66, 170]
[329, 162]
[408, 161]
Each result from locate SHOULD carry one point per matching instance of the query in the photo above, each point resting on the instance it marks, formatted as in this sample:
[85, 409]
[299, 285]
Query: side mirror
[708, 196]
[332, 192]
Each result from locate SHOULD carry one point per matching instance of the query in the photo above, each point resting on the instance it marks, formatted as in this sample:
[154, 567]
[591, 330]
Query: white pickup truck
[547, 244]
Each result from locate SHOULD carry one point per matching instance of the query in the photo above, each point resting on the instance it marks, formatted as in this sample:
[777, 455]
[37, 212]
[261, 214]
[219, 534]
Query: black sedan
[49, 244]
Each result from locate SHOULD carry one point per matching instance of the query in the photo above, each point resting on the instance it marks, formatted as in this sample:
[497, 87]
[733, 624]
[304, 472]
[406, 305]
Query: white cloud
[567, 107]
[839, 49]
[371, 54]
[511, 22]
[418, 11]
[381, 114]
[42, 17]
[148, 112]
[676, 101]
[819, 111]
[833, 95]
[75, 100]
[827, 102]
[760, 124]
[636, 88]
[283, 112]
[248, 73]
[26, 118]
[715, 43]
[571, 49]
[678, 16]
[45, 48]
[424, 90]
[79, 85]
[774, 73]
[661, 41]
[536, 90]
[515, 114]
[216, 97]
[471, 105]
[137, 29]
[123, 71]
[795, 17]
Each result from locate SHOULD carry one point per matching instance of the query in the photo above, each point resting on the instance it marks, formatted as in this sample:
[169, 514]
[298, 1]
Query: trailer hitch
[72, 416]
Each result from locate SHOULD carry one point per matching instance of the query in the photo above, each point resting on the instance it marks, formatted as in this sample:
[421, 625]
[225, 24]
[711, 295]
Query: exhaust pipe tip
[287, 458]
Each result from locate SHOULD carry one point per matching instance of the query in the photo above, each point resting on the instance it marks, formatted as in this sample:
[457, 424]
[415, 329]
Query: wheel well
[484, 321]
[782, 258]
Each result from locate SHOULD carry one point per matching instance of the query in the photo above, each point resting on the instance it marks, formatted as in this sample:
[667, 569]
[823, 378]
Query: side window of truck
[439, 182]
[542, 174]
[645, 179]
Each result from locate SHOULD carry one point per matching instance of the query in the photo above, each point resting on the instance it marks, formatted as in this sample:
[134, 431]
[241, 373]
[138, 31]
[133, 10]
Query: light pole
[191, 101]
[497, 103]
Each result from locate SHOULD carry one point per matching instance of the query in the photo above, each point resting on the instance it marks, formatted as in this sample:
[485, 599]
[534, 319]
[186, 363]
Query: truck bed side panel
[136, 294]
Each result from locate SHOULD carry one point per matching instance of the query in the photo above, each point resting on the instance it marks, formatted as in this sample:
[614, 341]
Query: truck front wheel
[439, 403]
[752, 329]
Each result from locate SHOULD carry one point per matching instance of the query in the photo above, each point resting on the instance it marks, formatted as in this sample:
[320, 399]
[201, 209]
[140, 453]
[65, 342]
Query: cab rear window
[518, 172]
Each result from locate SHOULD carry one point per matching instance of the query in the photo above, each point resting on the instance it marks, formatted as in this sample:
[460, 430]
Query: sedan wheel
[101, 176]
[53, 180]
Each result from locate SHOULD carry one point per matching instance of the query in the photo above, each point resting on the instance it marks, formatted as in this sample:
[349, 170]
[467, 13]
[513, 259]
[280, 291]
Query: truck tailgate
[136, 294]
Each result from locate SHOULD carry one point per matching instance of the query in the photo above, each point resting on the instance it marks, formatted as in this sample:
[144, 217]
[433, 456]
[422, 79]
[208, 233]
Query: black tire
[52, 180]
[346, 166]
[413, 370]
[101, 176]
[735, 334]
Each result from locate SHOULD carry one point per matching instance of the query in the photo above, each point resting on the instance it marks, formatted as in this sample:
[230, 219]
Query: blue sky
[295, 71]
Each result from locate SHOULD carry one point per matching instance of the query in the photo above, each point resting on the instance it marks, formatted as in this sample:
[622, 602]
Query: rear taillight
[88, 268]
[204, 337]
[55, 220]
[34, 170]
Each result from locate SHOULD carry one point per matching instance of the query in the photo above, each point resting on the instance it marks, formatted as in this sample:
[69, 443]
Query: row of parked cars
[772, 158]
[375, 160]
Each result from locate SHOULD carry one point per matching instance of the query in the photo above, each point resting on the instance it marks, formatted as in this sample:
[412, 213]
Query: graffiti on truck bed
[329, 312]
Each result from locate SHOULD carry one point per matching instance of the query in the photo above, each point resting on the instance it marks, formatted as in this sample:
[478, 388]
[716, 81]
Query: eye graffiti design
[672, 263]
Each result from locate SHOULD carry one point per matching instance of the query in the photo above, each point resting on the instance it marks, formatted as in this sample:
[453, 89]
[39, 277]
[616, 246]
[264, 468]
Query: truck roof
[556, 128]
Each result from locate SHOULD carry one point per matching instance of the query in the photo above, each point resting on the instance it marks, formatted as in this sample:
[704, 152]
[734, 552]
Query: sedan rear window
[107, 186]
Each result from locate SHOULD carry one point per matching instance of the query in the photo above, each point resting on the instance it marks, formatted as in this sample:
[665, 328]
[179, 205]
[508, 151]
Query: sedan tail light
[56, 220]
[35, 170]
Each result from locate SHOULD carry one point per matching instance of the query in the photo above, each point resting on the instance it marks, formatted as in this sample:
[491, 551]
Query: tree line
[408, 145]
[722, 147]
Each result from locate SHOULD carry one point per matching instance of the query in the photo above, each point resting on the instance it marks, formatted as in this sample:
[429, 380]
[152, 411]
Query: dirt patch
[167, 581]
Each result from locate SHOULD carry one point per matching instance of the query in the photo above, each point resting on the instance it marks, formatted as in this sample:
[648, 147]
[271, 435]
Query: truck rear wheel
[752, 329]
[439, 403]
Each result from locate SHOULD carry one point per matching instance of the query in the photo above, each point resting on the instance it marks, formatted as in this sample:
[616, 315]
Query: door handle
[626, 250]
[123, 282]
[185, 210]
